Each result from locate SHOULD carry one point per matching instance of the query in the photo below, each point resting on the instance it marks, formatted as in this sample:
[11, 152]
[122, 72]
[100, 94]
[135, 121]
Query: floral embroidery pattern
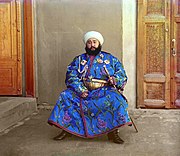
[101, 123]
[66, 117]
[121, 117]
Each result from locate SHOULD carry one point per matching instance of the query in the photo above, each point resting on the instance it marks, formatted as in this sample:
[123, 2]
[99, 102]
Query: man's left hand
[112, 80]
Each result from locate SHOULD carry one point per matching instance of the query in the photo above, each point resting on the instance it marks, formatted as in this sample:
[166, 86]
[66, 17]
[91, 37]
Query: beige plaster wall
[60, 25]
[129, 49]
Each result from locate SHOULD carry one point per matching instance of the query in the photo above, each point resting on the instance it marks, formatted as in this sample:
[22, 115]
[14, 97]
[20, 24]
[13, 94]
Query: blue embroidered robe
[103, 110]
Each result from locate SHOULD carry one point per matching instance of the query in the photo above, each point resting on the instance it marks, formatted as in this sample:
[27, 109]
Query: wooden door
[153, 53]
[175, 55]
[10, 48]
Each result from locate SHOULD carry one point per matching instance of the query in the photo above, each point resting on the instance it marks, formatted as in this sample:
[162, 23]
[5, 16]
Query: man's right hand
[84, 94]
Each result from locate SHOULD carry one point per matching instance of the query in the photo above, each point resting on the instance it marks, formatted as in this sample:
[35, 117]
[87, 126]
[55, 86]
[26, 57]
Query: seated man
[91, 106]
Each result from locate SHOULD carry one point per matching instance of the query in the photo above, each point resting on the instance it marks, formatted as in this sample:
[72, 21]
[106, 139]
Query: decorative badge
[99, 60]
[101, 55]
[83, 62]
[106, 61]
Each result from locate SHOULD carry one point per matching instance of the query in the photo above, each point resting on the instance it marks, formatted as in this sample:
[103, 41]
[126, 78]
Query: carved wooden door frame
[175, 54]
[29, 48]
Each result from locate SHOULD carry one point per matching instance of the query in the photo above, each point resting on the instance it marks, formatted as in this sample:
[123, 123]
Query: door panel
[175, 55]
[10, 48]
[153, 69]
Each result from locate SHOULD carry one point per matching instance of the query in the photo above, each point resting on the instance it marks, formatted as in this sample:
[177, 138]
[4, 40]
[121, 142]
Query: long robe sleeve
[119, 74]
[73, 78]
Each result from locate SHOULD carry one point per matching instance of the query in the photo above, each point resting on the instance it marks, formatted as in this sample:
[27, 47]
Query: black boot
[113, 136]
[62, 135]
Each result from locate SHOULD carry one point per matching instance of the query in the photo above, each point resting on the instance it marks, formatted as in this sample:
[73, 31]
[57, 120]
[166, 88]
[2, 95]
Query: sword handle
[107, 72]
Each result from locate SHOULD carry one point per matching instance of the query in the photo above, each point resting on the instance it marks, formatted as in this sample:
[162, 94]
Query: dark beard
[93, 52]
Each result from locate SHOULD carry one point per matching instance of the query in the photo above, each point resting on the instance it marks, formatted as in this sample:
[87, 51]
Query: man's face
[92, 44]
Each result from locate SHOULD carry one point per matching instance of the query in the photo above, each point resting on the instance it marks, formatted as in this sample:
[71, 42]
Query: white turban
[93, 34]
